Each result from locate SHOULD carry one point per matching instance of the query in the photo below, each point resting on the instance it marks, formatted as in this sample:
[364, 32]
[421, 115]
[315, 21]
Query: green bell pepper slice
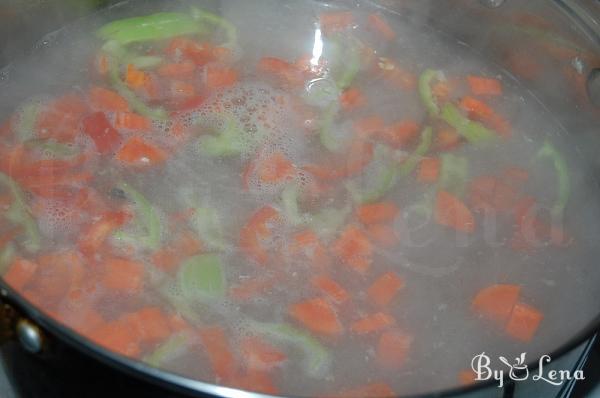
[548, 151]
[167, 350]
[474, 132]
[425, 80]
[317, 358]
[202, 277]
[229, 141]
[453, 174]
[136, 103]
[413, 160]
[207, 223]
[20, 214]
[147, 216]
[159, 26]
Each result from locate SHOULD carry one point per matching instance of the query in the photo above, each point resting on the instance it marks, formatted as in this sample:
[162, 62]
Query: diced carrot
[373, 390]
[376, 213]
[447, 139]
[382, 235]
[181, 90]
[275, 168]
[188, 104]
[359, 155]
[396, 75]
[61, 119]
[372, 323]
[429, 170]
[259, 355]
[490, 194]
[132, 121]
[369, 126]
[251, 288]
[453, 213]
[401, 134]
[352, 99]
[177, 323]
[515, 176]
[123, 275]
[254, 231]
[378, 24]
[318, 316]
[99, 129]
[287, 72]
[57, 274]
[496, 302]
[392, 349]
[21, 271]
[92, 239]
[137, 152]
[467, 377]
[335, 21]
[219, 77]
[150, 323]
[523, 322]
[134, 77]
[308, 244]
[484, 85]
[181, 70]
[12, 233]
[105, 99]
[354, 249]
[218, 349]
[258, 381]
[443, 89]
[479, 110]
[183, 246]
[385, 288]
[330, 288]
[118, 337]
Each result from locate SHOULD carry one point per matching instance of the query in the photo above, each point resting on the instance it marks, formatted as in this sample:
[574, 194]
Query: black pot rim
[192, 387]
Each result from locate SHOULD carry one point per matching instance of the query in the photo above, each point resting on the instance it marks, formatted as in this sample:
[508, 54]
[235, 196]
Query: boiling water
[442, 270]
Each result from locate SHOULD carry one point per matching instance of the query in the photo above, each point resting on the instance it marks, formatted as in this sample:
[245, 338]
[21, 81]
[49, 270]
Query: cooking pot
[46, 359]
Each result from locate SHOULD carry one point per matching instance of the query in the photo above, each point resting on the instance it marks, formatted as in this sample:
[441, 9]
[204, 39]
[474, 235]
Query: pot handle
[15, 326]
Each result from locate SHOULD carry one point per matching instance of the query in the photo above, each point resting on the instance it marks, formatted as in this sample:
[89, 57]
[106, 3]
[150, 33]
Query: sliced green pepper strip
[167, 350]
[413, 160]
[327, 222]
[145, 61]
[207, 223]
[228, 142]
[136, 103]
[52, 147]
[548, 151]
[26, 125]
[160, 26]
[6, 257]
[427, 97]
[289, 199]
[148, 215]
[326, 126]
[19, 214]
[347, 60]
[317, 358]
[201, 277]
[384, 181]
[453, 175]
[473, 131]
[217, 21]
[125, 56]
